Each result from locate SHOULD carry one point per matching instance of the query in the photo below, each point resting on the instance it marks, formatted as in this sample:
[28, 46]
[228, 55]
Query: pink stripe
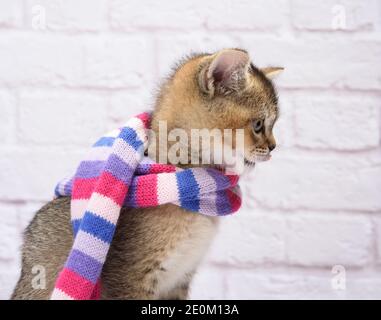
[74, 285]
[167, 190]
[145, 117]
[111, 187]
[83, 188]
[78, 208]
[58, 294]
[161, 168]
[96, 295]
[233, 179]
[235, 200]
[146, 191]
[104, 207]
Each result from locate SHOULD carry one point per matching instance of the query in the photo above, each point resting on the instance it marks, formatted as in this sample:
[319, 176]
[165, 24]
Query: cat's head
[224, 90]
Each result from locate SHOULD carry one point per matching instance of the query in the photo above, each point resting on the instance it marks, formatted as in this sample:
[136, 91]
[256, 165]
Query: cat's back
[160, 238]
[47, 242]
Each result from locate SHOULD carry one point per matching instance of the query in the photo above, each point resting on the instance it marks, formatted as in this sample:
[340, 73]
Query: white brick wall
[96, 62]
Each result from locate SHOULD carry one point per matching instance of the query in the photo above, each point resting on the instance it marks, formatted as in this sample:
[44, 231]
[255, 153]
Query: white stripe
[204, 180]
[207, 186]
[78, 208]
[92, 246]
[61, 187]
[62, 184]
[58, 294]
[167, 188]
[104, 207]
[147, 160]
[126, 152]
[112, 134]
[98, 154]
[138, 126]
[208, 205]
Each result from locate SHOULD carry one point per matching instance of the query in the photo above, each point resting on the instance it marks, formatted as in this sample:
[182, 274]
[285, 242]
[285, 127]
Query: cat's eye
[257, 126]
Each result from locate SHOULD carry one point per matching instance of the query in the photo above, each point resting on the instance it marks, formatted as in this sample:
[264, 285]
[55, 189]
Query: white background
[317, 204]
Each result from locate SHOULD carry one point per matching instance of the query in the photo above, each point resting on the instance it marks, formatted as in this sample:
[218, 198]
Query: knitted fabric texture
[116, 174]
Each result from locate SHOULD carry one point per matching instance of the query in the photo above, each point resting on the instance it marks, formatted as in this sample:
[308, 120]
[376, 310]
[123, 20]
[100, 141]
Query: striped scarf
[116, 174]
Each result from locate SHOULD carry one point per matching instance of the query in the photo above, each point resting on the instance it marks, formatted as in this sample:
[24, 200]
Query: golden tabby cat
[156, 251]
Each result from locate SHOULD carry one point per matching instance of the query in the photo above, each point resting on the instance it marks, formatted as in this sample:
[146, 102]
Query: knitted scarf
[116, 174]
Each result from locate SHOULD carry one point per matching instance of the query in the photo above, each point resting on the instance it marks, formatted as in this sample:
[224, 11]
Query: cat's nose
[272, 147]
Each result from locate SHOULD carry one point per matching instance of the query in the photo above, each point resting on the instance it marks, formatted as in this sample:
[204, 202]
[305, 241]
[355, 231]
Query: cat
[156, 251]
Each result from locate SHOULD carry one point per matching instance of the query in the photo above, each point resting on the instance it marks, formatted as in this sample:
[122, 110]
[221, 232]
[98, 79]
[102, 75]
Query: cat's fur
[156, 251]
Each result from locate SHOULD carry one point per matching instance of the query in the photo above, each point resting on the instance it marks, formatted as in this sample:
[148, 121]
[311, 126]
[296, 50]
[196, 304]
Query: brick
[331, 15]
[243, 15]
[7, 111]
[111, 62]
[10, 240]
[60, 118]
[302, 69]
[32, 173]
[294, 180]
[284, 128]
[339, 123]
[124, 105]
[378, 239]
[208, 284]
[117, 62]
[166, 14]
[312, 62]
[8, 279]
[246, 284]
[170, 49]
[364, 288]
[26, 212]
[247, 15]
[46, 60]
[299, 284]
[249, 238]
[11, 13]
[328, 240]
[86, 15]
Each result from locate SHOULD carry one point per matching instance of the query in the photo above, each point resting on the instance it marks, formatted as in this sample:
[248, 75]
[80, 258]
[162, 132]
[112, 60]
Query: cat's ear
[225, 73]
[272, 72]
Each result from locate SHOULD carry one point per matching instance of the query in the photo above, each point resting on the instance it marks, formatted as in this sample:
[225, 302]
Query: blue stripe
[90, 169]
[221, 180]
[75, 224]
[142, 169]
[119, 169]
[129, 135]
[84, 265]
[56, 190]
[131, 195]
[222, 201]
[104, 142]
[97, 226]
[185, 183]
[69, 187]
